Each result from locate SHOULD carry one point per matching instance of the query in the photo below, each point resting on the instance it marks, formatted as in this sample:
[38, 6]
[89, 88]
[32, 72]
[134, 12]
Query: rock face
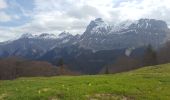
[97, 27]
[101, 36]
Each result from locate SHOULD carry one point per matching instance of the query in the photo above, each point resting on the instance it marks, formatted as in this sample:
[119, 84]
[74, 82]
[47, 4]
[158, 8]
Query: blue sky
[16, 10]
[54, 16]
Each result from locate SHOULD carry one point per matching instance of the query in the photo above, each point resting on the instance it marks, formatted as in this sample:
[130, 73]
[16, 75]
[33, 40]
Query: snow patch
[41, 36]
[129, 51]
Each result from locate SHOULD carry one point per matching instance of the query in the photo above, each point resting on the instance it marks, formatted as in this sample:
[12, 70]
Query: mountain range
[110, 40]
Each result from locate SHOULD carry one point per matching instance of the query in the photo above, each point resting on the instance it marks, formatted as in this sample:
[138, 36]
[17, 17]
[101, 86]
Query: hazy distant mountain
[32, 46]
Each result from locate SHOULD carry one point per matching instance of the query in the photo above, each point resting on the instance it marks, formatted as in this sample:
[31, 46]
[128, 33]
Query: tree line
[150, 57]
[14, 67]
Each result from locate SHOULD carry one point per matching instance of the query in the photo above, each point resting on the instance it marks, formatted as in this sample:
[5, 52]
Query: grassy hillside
[149, 83]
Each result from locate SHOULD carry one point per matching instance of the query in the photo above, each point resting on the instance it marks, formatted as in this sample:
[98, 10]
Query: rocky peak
[41, 36]
[47, 36]
[98, 21]
[64, 34]
[97, 26]
[27, 35]
[150, 24]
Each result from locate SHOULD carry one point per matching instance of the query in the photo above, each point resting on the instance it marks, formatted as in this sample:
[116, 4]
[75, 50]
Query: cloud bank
[54, 16]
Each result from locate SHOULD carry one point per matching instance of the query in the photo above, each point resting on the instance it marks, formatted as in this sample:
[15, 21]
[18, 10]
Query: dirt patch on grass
[3, 96]
[54, 98]
[58, 96]
[107, 96]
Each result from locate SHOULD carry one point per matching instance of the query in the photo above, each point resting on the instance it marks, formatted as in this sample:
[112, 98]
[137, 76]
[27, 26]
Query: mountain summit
[41, 36]
[26, 35]
[97, 26]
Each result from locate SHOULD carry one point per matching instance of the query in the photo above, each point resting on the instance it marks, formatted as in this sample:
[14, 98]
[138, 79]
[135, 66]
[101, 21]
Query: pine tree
[107, 70]
[61, 66]
[60, 62]
[150, 56]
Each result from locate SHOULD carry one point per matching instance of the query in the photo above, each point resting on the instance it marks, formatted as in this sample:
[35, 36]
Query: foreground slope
[149, 83]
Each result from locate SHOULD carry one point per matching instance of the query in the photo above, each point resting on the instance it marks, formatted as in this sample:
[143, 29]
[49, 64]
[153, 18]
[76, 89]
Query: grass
[149, 83]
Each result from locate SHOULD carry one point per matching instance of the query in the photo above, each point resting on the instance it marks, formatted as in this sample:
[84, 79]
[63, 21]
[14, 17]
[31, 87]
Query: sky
[54, 16]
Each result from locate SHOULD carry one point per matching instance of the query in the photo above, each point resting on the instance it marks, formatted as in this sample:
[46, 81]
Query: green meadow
[148, 83]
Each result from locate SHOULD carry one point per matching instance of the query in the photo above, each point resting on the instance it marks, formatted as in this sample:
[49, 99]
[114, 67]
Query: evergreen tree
[60, 62]
[107, 70]
[61, 66]
[150, 56]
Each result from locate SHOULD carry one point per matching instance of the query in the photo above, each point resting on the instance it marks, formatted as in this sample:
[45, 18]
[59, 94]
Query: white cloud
[3, 4]
[69, 15]
[55, 16]
[4, 17]
[157, 9]
[76, 14]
